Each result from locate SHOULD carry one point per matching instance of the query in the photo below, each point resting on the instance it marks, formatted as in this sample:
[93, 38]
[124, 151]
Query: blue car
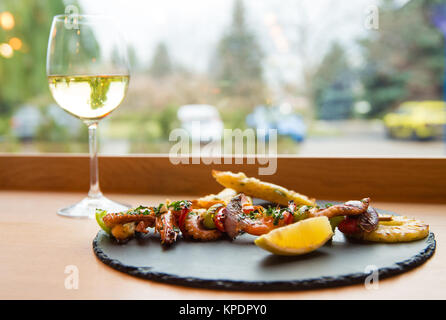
[286, 124]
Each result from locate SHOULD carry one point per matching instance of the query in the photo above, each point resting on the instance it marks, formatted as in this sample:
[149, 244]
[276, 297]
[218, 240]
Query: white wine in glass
[88, 76]
[88, 97]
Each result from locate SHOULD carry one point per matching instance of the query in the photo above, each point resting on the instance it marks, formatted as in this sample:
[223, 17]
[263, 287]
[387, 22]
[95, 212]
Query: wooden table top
[37, 245]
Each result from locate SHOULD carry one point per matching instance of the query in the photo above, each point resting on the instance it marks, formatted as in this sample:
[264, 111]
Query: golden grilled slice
[263, 190]
[222, 197]
[396, 229]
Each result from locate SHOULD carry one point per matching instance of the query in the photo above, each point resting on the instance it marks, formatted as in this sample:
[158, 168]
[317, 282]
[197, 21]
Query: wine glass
[88, 76]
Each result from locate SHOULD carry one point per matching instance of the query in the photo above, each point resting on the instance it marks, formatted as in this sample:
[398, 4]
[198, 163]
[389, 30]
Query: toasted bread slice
[263, 190]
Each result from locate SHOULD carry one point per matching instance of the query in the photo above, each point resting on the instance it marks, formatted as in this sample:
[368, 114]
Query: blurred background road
[351, 138]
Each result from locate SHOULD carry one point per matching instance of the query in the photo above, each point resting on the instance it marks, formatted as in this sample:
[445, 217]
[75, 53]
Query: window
[357, 78]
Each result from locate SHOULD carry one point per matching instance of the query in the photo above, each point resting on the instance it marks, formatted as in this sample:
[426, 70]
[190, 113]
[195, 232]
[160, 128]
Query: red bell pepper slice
[183, 214]
[219, 219]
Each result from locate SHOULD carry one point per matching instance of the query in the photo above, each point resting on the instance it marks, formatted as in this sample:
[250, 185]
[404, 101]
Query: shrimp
[193, 227]
[263, 221]
[263, 225]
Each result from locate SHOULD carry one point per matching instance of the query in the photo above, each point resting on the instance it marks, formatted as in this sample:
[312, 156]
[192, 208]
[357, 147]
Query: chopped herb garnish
[178, 205]
[142, 210]
[139, 210]
[269, 211]
[276, 214]
[252, 215]
[157, 210]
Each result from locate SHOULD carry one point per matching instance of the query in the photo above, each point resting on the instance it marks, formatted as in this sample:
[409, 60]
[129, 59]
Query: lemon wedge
[297, 238]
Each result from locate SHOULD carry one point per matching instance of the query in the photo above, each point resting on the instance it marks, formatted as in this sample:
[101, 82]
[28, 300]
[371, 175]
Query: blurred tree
[161, 64]
[438, 18]
[237, 64]
[50, 130]
[133, 58]
[309, 42]
[22, 75]
[405, 59]
[333, 85]
[167, 119]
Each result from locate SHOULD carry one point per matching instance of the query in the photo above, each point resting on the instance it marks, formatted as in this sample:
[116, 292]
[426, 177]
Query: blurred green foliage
[50, 130]
[23, 75]
[235, 118]
[161, 64]
[168, 120]
[237, 65]
[405, 57]
[4, 126]
[333, 85]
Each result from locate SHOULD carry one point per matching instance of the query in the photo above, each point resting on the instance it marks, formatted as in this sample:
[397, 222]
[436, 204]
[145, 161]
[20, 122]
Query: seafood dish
[232, 212]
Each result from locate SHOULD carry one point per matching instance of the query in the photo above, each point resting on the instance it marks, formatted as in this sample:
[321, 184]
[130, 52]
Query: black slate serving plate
[240, 265]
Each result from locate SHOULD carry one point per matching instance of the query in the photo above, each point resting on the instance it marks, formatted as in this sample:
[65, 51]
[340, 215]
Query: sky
[191, 29]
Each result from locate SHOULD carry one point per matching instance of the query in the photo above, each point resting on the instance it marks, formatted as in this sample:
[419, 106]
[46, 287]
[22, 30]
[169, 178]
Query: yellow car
[416, 120]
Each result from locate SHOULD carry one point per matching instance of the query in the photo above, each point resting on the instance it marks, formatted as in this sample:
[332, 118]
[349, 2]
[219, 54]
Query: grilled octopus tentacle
[124, 224]
[112, 219]
[234, 219]
[193, 227]
[349, 208]
[166, 225]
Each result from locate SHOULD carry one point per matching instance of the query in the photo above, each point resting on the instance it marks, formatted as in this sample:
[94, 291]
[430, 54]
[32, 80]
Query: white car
[201, 121]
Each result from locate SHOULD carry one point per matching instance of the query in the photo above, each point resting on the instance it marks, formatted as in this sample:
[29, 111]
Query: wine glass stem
[94, 192]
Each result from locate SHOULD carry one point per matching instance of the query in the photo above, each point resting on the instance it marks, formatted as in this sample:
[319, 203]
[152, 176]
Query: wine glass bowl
[89, 98]
[88, 76]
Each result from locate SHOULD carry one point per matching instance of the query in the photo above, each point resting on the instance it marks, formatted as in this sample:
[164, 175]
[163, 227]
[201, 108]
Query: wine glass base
[86, 208]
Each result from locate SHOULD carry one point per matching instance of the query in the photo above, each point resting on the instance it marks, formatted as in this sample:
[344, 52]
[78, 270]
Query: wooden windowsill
[382, 179]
